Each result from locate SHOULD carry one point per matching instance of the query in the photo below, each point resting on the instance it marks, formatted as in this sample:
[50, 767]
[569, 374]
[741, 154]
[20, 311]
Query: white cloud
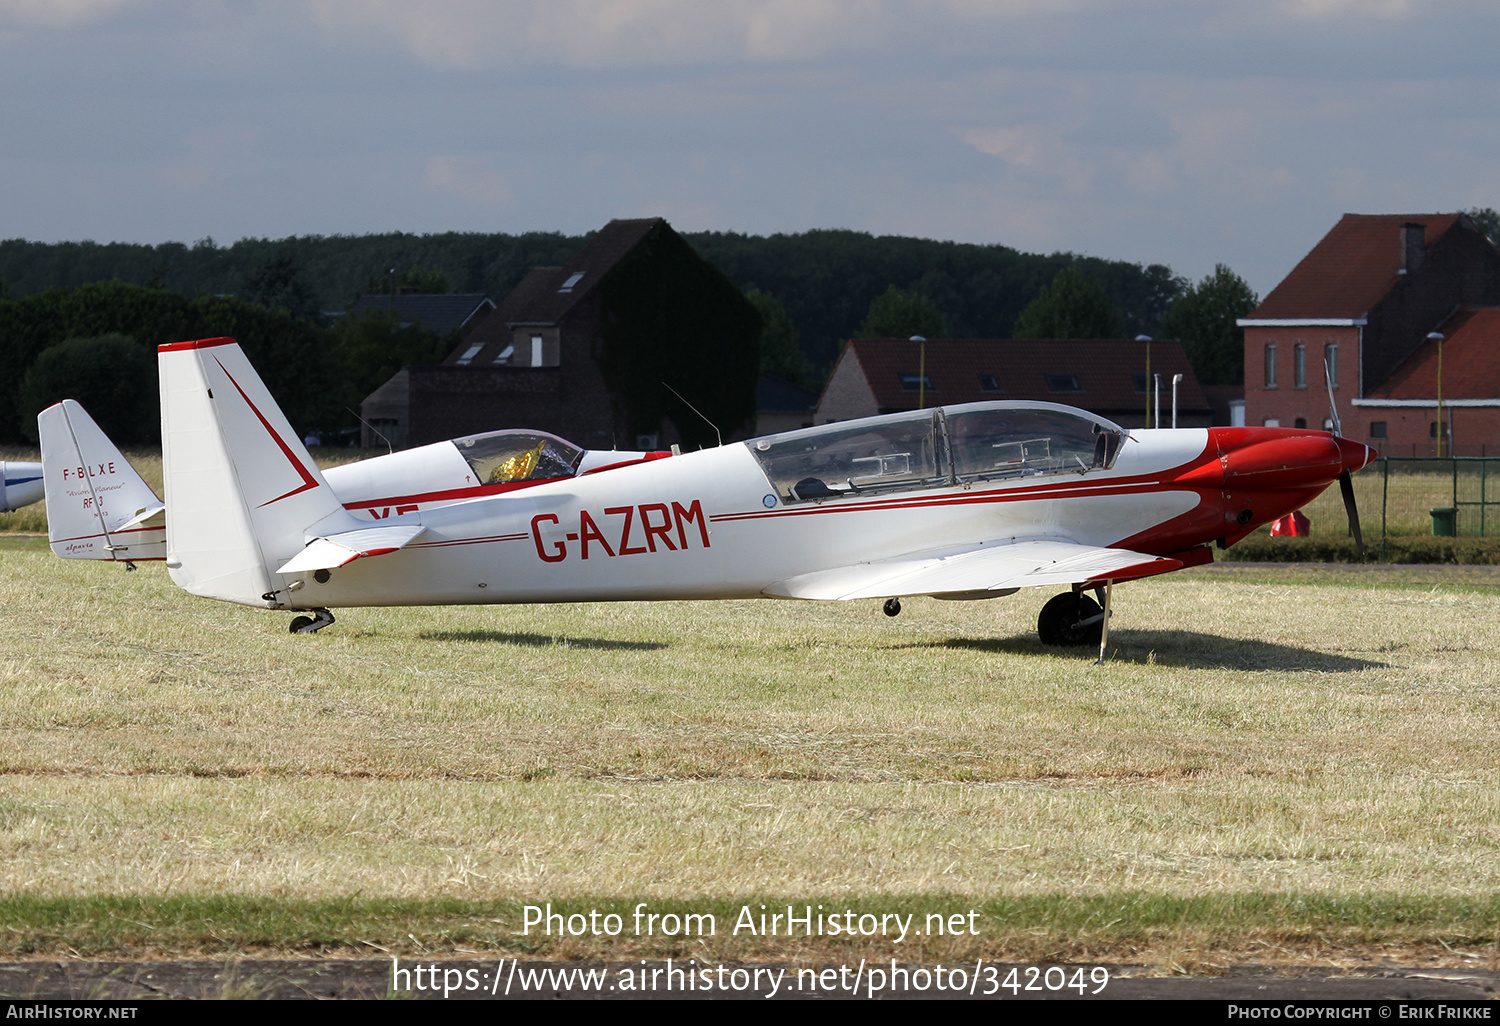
[1323, 9]
[468, 178]
[58, 12]
[477, 34]
[213, 157]
[1035, 151]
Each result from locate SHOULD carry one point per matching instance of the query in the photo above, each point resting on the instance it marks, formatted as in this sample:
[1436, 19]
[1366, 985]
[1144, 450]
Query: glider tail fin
[243, 494]
[98, 507]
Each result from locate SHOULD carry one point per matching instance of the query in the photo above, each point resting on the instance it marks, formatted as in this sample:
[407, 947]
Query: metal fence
[1438, 495]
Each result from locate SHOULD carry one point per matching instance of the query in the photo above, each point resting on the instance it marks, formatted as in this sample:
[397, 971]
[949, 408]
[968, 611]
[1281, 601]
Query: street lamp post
[1438, 337]
[1147, 339]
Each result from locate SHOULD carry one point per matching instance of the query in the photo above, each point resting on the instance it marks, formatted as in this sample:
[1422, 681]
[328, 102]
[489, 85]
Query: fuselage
[730, 522]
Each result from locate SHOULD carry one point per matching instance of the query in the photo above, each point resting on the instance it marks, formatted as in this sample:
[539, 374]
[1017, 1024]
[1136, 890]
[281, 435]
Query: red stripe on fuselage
[451, 494]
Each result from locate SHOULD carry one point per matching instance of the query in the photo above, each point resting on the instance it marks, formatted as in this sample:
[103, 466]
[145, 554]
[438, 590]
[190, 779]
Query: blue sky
[1184, 132]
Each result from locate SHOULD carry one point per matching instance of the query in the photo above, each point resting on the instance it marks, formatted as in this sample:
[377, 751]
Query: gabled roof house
[1369, 310]
[1104, 376]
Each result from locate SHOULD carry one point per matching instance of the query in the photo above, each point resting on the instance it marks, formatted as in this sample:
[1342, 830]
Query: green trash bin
[1444, 521]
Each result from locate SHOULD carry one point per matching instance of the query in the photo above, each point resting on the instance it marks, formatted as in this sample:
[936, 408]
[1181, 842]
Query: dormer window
[573, 279]
[916, 382]
[989, 383]
[1064, 383]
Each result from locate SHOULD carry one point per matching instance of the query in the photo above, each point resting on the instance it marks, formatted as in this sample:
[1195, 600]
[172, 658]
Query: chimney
[1413, 251]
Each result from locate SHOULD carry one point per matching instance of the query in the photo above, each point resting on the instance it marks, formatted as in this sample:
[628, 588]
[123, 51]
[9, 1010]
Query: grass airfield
[1274, 765]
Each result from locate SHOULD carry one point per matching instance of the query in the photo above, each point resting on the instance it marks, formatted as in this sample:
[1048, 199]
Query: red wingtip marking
[202, 343]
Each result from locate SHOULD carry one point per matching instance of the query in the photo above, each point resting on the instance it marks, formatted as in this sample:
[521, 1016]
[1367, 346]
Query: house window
[1432, 429]
[469, 354]
[1271, 368]
[1299, 365]
[1377, 429]
[1331, 364]
[573, 279]
[503, 357]
[1300, 422]
[1140, 383]
[989, 383]
[916, 382]
[536, 350]
[1064, 383]
[1270, 422]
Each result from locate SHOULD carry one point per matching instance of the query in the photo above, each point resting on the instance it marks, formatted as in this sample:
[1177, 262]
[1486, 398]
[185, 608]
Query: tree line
[813, 290]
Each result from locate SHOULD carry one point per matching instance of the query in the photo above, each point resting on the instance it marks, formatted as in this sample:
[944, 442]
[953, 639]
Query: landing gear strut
[892, 607]
[307, 624]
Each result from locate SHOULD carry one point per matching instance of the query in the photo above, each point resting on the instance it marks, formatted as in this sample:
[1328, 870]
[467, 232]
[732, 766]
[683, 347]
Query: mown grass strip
[1099, 927]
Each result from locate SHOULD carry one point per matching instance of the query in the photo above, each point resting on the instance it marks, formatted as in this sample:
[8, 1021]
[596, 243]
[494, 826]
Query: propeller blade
[1346, 485]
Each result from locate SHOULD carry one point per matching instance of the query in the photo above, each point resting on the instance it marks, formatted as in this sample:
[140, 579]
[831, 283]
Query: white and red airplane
[958, 502]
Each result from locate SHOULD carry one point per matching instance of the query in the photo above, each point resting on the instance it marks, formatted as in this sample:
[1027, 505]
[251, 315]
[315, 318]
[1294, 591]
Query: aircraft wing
[993, 567]
[332, 551]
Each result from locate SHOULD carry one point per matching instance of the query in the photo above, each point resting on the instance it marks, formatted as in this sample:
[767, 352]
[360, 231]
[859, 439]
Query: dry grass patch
[1247, 738]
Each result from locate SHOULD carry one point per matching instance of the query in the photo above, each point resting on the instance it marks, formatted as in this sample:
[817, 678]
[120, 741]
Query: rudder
[243, 493]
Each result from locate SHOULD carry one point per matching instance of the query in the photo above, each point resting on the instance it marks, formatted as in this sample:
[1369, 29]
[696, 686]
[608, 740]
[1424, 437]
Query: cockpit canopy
[949, 445]
[502, 457]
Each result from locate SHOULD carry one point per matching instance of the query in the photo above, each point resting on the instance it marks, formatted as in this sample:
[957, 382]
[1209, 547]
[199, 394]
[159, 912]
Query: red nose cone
[1356, 456]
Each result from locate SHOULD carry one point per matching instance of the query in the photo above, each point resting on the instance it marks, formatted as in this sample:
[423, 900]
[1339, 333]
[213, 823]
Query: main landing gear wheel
[892, 607]
[307, 624]
[1070, 619]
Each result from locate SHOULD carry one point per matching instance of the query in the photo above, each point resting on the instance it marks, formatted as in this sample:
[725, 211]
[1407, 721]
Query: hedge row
[1416, 548]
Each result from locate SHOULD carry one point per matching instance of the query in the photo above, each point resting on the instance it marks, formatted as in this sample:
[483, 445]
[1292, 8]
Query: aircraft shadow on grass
[1177, 648]
[543, 640]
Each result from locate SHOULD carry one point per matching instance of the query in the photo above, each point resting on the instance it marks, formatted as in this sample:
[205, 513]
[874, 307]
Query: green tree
[426, 280]
[1073, 306]
[372, 348]
[1487, 220]
[896, 313]
[780, 355]
[1203, 319]
[278, 284]
[110, 375]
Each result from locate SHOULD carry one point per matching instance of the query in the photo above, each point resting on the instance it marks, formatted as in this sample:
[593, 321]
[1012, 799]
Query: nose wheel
[308, 624]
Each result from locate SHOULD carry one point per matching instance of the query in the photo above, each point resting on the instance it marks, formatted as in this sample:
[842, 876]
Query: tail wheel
[1060, 621]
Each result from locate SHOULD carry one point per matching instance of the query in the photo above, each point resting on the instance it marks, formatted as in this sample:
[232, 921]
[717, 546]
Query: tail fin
[97, 505]
[243, 494]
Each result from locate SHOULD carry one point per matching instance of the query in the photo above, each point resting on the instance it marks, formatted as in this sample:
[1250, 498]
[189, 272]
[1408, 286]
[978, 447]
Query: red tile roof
[1470, 370]
[1106, 371]
[1350, 269]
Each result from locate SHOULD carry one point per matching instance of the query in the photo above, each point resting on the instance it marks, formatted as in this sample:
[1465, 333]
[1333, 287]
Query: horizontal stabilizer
[335, 550]
[20, 485]
[995, 567]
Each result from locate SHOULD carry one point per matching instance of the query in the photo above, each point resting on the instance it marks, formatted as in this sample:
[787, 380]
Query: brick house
[1367, 302]
[1104, 376]
[582, 351]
